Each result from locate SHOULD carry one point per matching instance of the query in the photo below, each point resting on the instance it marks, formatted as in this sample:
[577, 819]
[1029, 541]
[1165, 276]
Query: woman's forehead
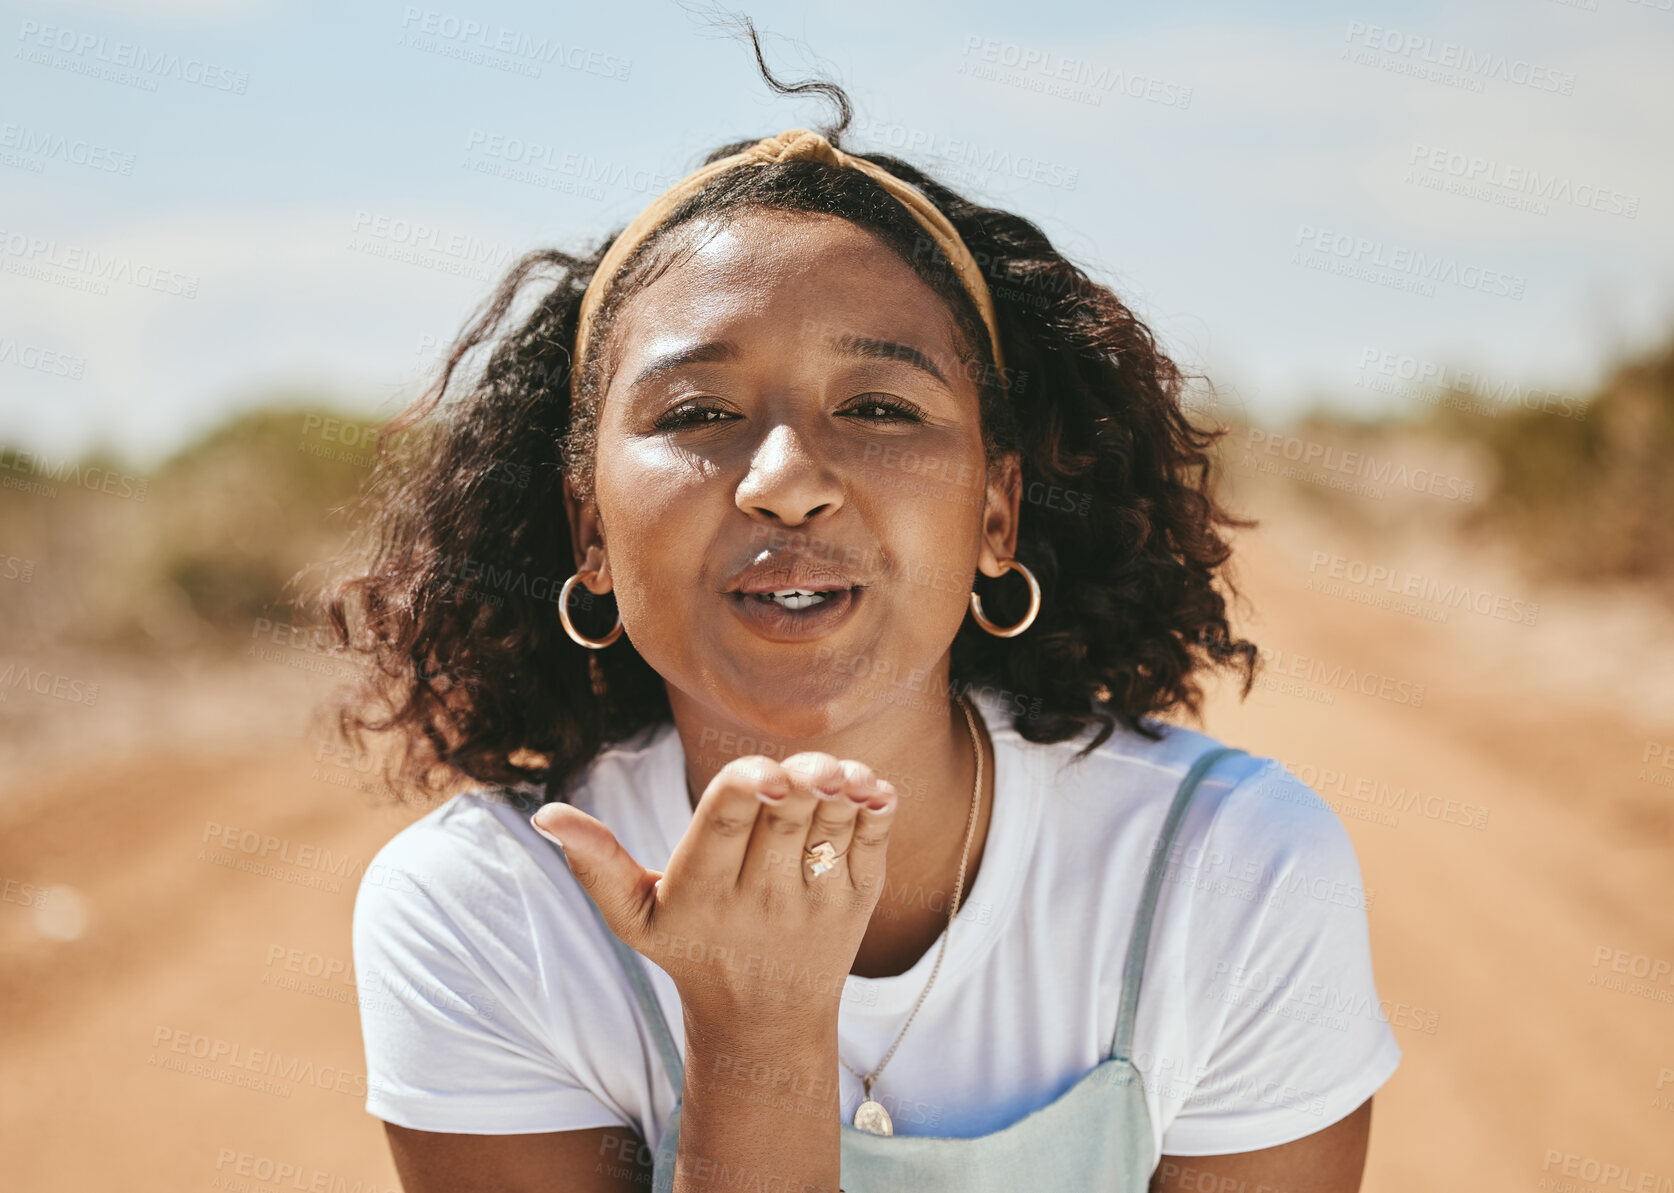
[780, 236]
[806, 276]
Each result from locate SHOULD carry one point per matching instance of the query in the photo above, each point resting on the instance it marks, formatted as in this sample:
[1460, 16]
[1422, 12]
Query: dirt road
[180, 1014]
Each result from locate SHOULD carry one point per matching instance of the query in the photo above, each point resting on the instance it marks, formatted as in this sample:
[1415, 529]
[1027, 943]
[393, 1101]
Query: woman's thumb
[623, 889]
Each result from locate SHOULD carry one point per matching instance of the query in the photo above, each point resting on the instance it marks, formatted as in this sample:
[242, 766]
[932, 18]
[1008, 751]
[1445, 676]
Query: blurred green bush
[1589, 497]
[191, 556]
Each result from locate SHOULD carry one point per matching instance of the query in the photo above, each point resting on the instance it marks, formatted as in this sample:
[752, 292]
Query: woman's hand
[739, 920]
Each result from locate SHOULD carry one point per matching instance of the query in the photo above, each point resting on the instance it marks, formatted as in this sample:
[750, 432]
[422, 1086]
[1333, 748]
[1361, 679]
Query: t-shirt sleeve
[1281, 965]
[454, 1042]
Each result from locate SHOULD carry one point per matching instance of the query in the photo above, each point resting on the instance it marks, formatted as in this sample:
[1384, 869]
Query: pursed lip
[780, 571]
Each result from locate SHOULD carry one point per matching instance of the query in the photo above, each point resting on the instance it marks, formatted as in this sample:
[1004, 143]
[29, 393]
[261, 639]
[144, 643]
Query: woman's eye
[875, 408]
[689, 416]
[883, 408]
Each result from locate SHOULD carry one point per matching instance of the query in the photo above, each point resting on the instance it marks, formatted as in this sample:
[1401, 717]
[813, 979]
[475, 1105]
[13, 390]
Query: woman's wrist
[756, 1034]
[760, 1102]
[779, 996]
[784, 1060]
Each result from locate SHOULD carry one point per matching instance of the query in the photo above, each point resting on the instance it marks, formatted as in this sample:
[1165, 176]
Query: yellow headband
[791, 145]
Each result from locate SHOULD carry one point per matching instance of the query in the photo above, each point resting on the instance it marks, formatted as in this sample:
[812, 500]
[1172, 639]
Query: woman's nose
[789, 480]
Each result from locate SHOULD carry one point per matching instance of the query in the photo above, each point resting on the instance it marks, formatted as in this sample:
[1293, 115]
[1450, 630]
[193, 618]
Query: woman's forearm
[760, 1106]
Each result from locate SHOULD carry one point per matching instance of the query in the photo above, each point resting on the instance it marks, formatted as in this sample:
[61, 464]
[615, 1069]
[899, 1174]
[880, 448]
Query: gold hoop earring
[576, 635]
[1010, 565]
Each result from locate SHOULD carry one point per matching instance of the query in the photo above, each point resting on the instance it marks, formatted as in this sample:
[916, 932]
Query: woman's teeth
[794, 598]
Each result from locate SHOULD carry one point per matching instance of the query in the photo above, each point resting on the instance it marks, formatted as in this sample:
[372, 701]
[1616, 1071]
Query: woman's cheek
[657, 556]
[940, 472]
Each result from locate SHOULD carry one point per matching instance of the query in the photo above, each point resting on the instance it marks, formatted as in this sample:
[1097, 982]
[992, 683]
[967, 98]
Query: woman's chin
[802, 705]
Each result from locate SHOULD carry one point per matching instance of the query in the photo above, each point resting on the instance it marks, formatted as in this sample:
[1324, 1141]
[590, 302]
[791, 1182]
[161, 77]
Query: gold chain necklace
[871, 1116]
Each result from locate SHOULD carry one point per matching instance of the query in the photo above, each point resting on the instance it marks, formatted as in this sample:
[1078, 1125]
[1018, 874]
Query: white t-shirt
[492, 1002]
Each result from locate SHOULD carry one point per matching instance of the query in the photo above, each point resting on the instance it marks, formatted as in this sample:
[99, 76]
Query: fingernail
[767, 797]
[544, 833]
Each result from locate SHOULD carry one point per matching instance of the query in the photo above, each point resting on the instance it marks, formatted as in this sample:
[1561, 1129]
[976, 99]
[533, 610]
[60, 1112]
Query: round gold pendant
[873, 1118]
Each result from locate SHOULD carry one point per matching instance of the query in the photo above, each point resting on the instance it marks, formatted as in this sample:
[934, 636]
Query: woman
[890, 541]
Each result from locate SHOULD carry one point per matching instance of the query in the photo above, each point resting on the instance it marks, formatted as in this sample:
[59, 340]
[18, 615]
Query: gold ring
[821, 857]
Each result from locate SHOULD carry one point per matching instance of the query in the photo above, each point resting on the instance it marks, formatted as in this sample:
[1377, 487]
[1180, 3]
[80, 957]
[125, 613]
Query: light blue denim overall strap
[665, 1041]
[1096, 1136]
[641, 989]
[1133, 969]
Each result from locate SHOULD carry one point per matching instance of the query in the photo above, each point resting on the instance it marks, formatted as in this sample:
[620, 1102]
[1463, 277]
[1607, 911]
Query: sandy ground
[1523, 952]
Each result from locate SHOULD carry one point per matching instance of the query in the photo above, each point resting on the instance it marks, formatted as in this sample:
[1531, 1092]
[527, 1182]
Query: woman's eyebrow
[872, 349]
[866, 347]
[707, 352]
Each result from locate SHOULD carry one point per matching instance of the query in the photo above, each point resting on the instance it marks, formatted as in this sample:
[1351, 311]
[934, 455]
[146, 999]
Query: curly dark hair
[452, 598]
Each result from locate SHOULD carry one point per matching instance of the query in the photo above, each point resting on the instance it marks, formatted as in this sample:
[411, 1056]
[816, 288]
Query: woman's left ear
[586, 537]
[999, 517]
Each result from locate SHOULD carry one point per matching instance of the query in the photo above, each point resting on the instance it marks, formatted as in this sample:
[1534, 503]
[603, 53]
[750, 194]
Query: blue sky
[205, 204]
